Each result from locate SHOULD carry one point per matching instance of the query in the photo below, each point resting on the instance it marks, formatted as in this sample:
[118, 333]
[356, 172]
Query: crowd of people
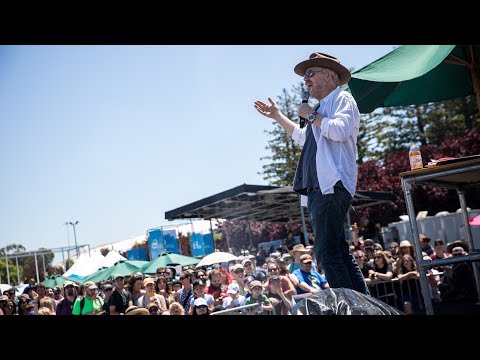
[254, 284]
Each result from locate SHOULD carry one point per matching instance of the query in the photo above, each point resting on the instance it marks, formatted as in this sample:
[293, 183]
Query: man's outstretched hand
[270, 111]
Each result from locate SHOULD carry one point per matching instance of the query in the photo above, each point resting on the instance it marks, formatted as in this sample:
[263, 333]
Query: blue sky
[115, 136]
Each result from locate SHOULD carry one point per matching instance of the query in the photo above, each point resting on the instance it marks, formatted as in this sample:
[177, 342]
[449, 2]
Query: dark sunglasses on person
[153, 309]
[309, 74]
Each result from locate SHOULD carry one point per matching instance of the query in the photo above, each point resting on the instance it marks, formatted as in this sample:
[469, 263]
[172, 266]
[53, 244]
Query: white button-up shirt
[336, 139]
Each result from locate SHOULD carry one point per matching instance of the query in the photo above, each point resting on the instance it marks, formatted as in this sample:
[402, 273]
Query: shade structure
[54, 280]
[168, 258]
[217, 258]
[122, 267]
[417, 74]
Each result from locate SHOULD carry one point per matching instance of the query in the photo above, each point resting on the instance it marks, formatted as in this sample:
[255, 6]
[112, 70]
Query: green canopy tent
[168, 258]
[122, 267]
[54, 280]
[417, 74]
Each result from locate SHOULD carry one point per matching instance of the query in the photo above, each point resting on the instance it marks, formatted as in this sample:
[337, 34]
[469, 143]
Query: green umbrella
[122, 267]
[54, 280]
[417, 74]
[167, 258]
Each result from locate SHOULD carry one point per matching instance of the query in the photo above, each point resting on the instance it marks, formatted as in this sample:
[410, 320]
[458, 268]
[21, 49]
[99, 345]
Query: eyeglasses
[239, 271]
[309, 73]
[457, 254]
[378, 257]
[69, 287]
[153, 309]
[272, 269]
[358, 257]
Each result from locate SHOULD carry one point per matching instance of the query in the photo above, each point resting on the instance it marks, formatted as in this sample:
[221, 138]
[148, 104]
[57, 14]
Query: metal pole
[211, 232]
[67, 264]
[468, 232]
[36, 267]
[178, 237]
[18, 272]
[228, 240]
[304, 225]
[44, 268]
[6, 263]
[75, 235]
[427, 299]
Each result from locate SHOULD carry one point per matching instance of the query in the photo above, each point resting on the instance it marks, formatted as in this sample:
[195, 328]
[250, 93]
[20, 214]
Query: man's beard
[70, 292]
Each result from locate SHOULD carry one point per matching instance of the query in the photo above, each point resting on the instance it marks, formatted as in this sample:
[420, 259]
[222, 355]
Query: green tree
[285, 152]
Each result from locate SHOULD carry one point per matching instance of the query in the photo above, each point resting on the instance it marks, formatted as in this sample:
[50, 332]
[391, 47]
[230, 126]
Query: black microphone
[305, 97]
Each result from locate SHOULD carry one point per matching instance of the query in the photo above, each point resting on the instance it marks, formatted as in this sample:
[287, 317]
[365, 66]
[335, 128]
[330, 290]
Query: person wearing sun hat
[90, 303]
[326, 174]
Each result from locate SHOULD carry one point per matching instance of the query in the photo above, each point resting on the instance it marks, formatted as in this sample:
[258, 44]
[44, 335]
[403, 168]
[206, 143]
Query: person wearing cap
[257, 297]
[297, 251]
[199, 292]
[65, 306]
[458, 283]
[234, 299]
[200, 307]
[424, 244]
[150, 296]
[107, 290]
[326, 175]
[248, 267]
[309, 280]
[120, 299]
[90, 303]
[239, 277]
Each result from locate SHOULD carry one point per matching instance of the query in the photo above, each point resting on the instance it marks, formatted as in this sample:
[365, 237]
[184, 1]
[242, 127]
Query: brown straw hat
[324, 61]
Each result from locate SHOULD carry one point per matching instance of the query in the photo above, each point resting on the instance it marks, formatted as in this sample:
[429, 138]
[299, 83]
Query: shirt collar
[329, 96]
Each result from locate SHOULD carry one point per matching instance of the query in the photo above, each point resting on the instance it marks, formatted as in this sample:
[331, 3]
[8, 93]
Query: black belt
[312, 189]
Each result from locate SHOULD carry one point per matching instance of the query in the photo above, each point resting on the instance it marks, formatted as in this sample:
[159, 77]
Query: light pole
[74, 234]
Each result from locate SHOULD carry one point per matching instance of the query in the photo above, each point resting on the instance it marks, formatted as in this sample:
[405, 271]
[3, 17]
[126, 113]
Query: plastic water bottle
[415, 157]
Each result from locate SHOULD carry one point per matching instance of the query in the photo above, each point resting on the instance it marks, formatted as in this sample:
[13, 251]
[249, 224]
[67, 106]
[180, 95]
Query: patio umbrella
[168, 258]
[54, 280]
[216, 258]
[122, 267]
[417, 74]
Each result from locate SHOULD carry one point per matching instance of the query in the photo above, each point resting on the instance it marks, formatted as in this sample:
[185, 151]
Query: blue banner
[170, 240]
[196, 243]
[207, 244]
[155, 242]
[137, 254]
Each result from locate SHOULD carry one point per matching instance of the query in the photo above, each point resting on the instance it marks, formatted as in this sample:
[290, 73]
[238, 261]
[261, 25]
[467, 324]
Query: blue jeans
[328, 213]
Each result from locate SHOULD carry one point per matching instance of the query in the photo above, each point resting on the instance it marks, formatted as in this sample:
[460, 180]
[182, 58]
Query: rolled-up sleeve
[298, 135]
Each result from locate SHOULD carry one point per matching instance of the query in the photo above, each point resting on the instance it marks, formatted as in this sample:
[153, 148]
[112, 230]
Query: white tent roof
[112, 257]
[86, 264]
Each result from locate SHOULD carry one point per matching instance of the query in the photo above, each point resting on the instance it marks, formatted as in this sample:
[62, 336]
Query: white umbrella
[216, 258]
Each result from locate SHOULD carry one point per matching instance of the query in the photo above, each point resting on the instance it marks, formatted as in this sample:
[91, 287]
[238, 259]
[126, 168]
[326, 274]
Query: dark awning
[260, 203]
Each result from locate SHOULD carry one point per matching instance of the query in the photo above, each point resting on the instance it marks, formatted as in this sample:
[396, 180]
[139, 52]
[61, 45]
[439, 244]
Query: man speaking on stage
[326, 174]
